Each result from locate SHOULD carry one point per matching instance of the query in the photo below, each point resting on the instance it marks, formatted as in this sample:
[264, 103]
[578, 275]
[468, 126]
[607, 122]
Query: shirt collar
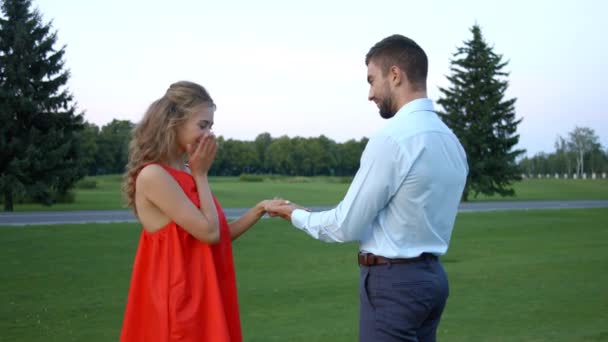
[423, 104]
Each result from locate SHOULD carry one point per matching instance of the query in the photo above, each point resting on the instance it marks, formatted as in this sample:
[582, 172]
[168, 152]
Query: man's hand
[282, 208]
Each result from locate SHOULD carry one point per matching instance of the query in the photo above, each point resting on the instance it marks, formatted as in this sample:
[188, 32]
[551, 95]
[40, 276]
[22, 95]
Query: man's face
[379, 91]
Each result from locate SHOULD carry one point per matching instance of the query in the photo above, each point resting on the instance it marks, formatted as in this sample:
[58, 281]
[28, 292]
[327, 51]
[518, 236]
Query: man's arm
[378, 178]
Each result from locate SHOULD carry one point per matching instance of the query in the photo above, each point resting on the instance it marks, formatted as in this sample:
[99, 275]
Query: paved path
[107, 216]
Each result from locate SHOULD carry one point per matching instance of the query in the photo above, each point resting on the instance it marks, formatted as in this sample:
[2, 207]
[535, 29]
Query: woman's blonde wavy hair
[153, 140]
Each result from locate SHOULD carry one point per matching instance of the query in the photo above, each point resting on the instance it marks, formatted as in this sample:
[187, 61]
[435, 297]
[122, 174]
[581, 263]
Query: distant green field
[311, 191]
[515, 276]
[556, 189]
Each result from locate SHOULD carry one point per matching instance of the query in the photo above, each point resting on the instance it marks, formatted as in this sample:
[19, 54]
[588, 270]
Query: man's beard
[387, 109]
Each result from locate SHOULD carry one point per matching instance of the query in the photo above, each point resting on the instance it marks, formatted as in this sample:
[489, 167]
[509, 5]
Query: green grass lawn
[555, 189]
[233, 193]
[514, 276]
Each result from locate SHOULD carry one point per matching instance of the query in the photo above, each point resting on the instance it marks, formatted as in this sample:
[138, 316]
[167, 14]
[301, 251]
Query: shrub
[251, 178]
[68, 197]
[299, 179]
[86, 183]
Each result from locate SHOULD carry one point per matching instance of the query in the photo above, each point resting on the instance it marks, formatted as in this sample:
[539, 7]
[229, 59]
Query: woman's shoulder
[151, 171]
[155, 174]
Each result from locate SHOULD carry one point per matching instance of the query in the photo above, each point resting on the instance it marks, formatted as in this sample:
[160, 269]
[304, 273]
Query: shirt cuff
[299, 218]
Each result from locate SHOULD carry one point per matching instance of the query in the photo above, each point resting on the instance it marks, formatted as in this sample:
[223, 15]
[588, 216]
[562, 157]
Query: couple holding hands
[401, 207]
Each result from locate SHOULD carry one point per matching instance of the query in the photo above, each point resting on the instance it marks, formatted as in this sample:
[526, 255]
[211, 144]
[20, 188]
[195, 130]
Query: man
[402, 203]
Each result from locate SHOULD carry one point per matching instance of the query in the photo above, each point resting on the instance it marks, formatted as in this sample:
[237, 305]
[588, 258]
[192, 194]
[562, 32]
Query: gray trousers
[402, 302]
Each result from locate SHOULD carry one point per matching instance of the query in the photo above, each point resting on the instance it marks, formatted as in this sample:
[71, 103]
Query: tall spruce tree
[39, 131]
[475, 108]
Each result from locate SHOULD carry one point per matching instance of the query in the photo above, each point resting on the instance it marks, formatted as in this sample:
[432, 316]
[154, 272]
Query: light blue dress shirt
[404, 198]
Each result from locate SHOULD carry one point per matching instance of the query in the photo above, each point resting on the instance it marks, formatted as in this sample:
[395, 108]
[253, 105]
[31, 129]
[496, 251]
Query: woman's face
[191, 131]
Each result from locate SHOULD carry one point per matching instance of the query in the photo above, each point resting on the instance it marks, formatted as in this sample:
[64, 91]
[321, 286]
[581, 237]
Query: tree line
[106, 148]
[577, 154]
[106, 152]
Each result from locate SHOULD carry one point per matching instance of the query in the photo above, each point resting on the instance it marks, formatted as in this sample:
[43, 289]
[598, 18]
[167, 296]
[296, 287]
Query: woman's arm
[243, 223]
[162, 191]
[206, 202]
[251, 217]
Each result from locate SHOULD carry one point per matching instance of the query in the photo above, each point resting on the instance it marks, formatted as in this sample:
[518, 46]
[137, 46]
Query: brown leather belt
[369, 259]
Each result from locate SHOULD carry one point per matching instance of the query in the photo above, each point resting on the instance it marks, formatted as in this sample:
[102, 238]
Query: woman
[183, 286]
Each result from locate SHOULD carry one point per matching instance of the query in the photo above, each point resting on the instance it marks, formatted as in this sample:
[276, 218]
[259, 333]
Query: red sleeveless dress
[182, 289]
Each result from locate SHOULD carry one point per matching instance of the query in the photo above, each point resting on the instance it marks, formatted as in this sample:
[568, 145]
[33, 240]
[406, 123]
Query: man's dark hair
[404, 53]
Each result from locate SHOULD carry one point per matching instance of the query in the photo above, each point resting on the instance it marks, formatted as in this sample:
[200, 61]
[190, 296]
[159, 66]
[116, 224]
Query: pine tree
[475, 108]
[40, 131]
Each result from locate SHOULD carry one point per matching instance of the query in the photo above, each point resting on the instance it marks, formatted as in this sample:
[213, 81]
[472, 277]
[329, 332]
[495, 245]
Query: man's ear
[396, 75]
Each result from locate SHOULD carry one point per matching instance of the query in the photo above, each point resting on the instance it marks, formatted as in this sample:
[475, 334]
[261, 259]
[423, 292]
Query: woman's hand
[281, 208]
[265, 204]
[201, 155]
[242, 224]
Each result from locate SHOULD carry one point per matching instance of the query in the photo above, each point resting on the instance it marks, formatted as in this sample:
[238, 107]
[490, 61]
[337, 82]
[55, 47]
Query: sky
[297, 68]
